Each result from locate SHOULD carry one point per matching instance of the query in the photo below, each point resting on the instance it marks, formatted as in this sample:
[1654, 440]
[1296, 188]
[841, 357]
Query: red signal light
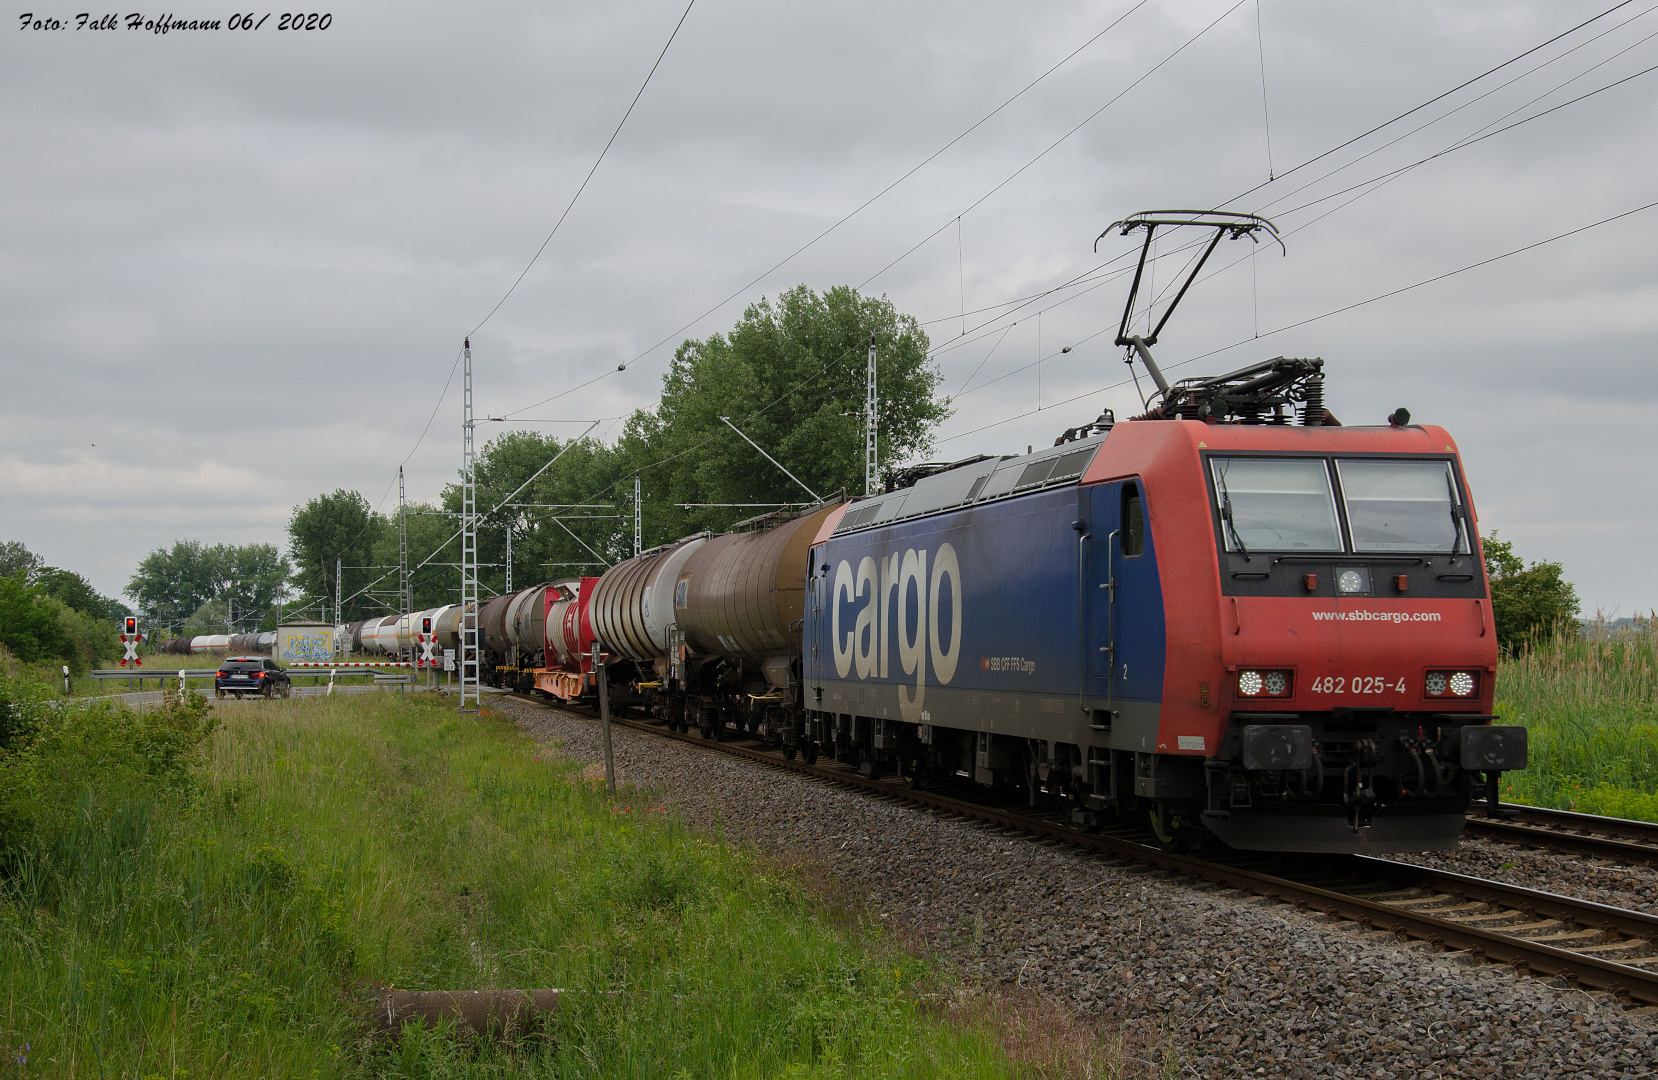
[132, 625]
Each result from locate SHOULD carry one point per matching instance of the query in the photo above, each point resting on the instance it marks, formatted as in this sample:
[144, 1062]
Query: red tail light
[224, 674]
[259, 675]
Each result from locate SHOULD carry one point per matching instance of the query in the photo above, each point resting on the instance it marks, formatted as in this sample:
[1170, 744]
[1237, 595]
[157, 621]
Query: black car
[240, 675]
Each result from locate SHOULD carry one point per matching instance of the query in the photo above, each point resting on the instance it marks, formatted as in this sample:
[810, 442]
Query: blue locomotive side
[985, 619]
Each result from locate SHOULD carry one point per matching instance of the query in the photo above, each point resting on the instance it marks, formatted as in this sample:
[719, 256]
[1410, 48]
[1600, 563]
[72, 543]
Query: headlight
[1274, 684]
[1450, 684]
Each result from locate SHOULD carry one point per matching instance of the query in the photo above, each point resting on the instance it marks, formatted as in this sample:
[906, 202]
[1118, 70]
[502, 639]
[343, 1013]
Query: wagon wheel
[809, 752]
[789, 752]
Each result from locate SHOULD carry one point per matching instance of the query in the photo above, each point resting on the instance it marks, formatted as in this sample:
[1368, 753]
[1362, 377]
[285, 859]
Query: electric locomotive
[1230, 617]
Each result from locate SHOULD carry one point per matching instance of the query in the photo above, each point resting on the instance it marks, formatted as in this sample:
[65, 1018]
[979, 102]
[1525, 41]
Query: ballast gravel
[1633, 886]
[1201, 981]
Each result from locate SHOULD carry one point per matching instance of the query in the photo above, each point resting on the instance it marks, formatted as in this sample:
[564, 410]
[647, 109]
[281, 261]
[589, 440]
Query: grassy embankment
[1590, 705]
[184, 901]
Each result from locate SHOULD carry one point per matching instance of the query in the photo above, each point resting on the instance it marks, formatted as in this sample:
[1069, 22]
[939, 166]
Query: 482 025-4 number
[1358, 684]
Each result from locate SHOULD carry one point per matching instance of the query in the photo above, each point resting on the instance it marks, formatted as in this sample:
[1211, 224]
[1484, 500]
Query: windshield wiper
[1457, 527]
[1226, 514]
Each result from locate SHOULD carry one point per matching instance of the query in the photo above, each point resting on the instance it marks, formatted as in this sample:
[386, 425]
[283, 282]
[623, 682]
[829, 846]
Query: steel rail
[1535, 957]
[1563, 830]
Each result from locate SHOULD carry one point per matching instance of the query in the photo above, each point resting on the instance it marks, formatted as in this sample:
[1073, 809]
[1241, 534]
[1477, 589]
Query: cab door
[1124, 616]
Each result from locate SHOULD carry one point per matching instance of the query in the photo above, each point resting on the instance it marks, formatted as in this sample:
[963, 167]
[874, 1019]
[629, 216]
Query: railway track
[1616, 839]
[1591, 945]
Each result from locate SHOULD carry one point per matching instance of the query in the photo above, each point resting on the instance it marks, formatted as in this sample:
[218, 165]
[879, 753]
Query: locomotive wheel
[1165, 827]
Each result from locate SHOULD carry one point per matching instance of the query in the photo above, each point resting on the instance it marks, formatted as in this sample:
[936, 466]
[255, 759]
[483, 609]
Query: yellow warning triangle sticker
[1205, 446]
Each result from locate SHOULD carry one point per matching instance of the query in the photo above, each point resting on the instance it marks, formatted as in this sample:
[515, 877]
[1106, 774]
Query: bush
[37, 627]
[22, 704]
[1526, 601]
[69, 762]
[29, 624]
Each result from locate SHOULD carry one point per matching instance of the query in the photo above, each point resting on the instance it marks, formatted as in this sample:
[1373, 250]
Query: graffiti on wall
[308, 645]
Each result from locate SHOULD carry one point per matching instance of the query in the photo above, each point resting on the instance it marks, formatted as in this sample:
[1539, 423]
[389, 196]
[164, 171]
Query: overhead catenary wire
[924, 162]
[1436, 98]
[516, 281]
[1328, 314]
[1084, 122]
[504, 502]
[1349, 142]
[1377, 181]
[1021, 301]
[596, 162]
[854, 212]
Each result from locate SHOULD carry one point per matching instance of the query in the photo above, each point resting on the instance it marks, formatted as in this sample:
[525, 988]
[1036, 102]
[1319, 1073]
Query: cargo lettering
[898, 596]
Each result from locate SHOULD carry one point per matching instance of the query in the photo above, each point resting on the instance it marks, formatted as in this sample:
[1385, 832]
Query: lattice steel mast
[469, 544]
[871, 400]
[638, 519]
[405, 591]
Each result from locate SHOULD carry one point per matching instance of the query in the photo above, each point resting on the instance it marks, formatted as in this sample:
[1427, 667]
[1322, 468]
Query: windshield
[241, 665]
[1276, 504]
[1402, 506]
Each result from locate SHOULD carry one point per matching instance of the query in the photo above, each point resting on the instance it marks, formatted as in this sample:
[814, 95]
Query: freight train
[1230, 619]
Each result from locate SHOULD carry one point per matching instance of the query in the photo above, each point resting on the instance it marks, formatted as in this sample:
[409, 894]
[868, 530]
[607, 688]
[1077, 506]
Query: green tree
[1525, 600]
[78, 594]
[341, 528]
[18, 561]
[72, 589]
[792, 376]
[170, 584]
[86, 638]
[432, 542]
[573, 518]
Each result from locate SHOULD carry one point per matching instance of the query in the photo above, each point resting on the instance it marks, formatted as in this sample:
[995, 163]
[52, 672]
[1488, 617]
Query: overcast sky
[238, 265]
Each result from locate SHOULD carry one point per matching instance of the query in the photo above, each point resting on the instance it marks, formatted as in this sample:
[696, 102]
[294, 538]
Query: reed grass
[1589, 702]
[228, 926]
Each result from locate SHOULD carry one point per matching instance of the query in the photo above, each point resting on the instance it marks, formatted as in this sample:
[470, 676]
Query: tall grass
[1590, 704]
[225, 919]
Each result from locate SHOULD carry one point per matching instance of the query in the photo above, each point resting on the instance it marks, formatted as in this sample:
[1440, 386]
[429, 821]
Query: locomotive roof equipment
[1243, 396]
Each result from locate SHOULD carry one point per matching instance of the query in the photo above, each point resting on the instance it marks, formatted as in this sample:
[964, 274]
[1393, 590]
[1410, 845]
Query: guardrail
[208, 676]
[160, 675]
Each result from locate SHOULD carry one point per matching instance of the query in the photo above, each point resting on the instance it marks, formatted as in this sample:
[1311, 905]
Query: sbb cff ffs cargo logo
[896, 596]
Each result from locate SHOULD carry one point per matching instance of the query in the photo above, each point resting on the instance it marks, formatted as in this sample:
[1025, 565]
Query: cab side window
[1134, 522]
